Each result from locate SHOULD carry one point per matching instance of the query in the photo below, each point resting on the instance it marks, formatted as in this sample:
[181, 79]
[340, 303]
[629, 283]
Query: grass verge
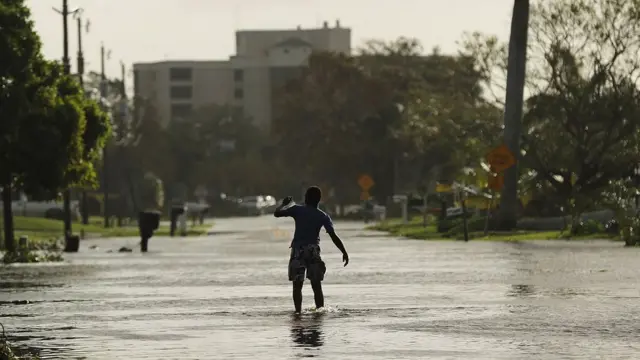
[39, 229]
[414, 229]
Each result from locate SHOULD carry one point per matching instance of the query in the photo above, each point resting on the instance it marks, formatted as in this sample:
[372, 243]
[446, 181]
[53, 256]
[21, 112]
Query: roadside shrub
[34, 252]
[449, 223]
[612, 227]
[7, 352]
[589, 227]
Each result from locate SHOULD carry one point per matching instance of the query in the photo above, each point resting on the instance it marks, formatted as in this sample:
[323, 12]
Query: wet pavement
[226, 296]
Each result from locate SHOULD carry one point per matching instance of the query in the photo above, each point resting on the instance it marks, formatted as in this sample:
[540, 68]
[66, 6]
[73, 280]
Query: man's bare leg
[297, 295]
[317, 293]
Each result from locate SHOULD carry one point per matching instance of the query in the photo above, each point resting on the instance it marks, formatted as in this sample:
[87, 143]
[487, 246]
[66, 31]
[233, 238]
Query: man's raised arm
[282, 210]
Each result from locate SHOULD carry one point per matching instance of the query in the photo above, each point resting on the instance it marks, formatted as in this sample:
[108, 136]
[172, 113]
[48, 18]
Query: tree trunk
[9, 243]
[513, 109]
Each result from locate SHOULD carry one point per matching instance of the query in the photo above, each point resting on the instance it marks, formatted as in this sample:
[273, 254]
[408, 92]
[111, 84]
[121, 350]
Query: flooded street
[226, 296]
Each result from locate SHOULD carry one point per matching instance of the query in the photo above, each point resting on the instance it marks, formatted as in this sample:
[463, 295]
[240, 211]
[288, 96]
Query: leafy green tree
[222, 135]
[47, 143]
[340, 104]
[579, 143]
[581, 121]
[390, 111]
[217, 147]
[19, 52]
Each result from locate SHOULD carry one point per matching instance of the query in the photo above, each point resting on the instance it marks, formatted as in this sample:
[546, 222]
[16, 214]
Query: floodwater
[226, 296]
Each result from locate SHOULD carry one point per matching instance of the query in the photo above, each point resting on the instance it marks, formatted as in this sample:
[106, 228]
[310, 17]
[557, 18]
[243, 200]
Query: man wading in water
[305, 247]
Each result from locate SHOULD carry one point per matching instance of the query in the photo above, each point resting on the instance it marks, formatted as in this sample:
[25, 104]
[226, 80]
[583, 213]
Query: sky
[155, 30]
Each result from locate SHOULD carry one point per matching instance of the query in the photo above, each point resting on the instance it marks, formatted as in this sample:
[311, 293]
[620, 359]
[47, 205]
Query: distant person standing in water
[305, 246]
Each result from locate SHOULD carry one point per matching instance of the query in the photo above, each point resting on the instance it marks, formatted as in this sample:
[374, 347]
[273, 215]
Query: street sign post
[501, 158]
[364, 196]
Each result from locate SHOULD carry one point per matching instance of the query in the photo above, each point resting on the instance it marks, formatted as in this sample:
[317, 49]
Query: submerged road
[226, 296]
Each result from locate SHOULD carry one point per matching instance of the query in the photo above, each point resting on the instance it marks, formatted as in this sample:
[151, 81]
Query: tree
[94, 137]
[139, 149]
[221, 140]
[391, 112]
[19, 51]
[217, 147]
[513, 110]
[47, 143]
[323, 116]
[581, 119]
[583, 133]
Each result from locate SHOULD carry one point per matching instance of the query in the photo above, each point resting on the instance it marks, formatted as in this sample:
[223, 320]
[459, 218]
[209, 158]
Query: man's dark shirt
[308, 221]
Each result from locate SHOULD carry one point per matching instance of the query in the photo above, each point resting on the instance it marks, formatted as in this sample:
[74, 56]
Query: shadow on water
[25, 285]
[307, 331]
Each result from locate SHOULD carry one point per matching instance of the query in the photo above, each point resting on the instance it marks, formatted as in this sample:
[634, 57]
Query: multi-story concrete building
[264, 61]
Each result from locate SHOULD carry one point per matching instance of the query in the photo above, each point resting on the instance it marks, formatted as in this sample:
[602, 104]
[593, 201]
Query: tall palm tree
[513, 108]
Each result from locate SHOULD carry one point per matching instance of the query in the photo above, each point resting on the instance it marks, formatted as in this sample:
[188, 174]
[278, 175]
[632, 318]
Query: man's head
[312, 196]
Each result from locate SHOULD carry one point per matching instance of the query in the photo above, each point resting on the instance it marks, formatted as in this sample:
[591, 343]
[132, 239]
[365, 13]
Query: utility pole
[516, 72]
[80, 69]
[66, 194]
[105, 163]
[123, 74]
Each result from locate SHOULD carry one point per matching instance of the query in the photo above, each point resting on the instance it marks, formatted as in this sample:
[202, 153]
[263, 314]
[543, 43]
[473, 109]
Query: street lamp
[66, 195]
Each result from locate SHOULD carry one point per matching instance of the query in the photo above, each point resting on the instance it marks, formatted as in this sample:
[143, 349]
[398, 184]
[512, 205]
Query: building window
[181, 74]
[238, 94]
[181, 111]
[238, 75]
[181, 92]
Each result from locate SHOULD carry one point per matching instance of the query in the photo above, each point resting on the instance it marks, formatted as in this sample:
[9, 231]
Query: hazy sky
[152, 30]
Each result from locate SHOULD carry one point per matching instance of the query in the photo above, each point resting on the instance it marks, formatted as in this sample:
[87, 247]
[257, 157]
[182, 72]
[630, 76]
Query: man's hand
[287, 200]
[345, 258]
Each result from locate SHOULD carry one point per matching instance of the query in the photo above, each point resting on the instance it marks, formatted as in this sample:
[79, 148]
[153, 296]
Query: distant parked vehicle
[378, 212]
[253, 205]
[45, 209]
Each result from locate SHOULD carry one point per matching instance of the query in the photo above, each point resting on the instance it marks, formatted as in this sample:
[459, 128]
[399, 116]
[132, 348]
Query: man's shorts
[306, 259]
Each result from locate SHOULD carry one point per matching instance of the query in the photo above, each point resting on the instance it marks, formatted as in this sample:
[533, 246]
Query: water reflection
[24, 285]
[307, 332]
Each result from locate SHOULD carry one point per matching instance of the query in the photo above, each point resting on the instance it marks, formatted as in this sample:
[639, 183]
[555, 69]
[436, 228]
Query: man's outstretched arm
[338, 243]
